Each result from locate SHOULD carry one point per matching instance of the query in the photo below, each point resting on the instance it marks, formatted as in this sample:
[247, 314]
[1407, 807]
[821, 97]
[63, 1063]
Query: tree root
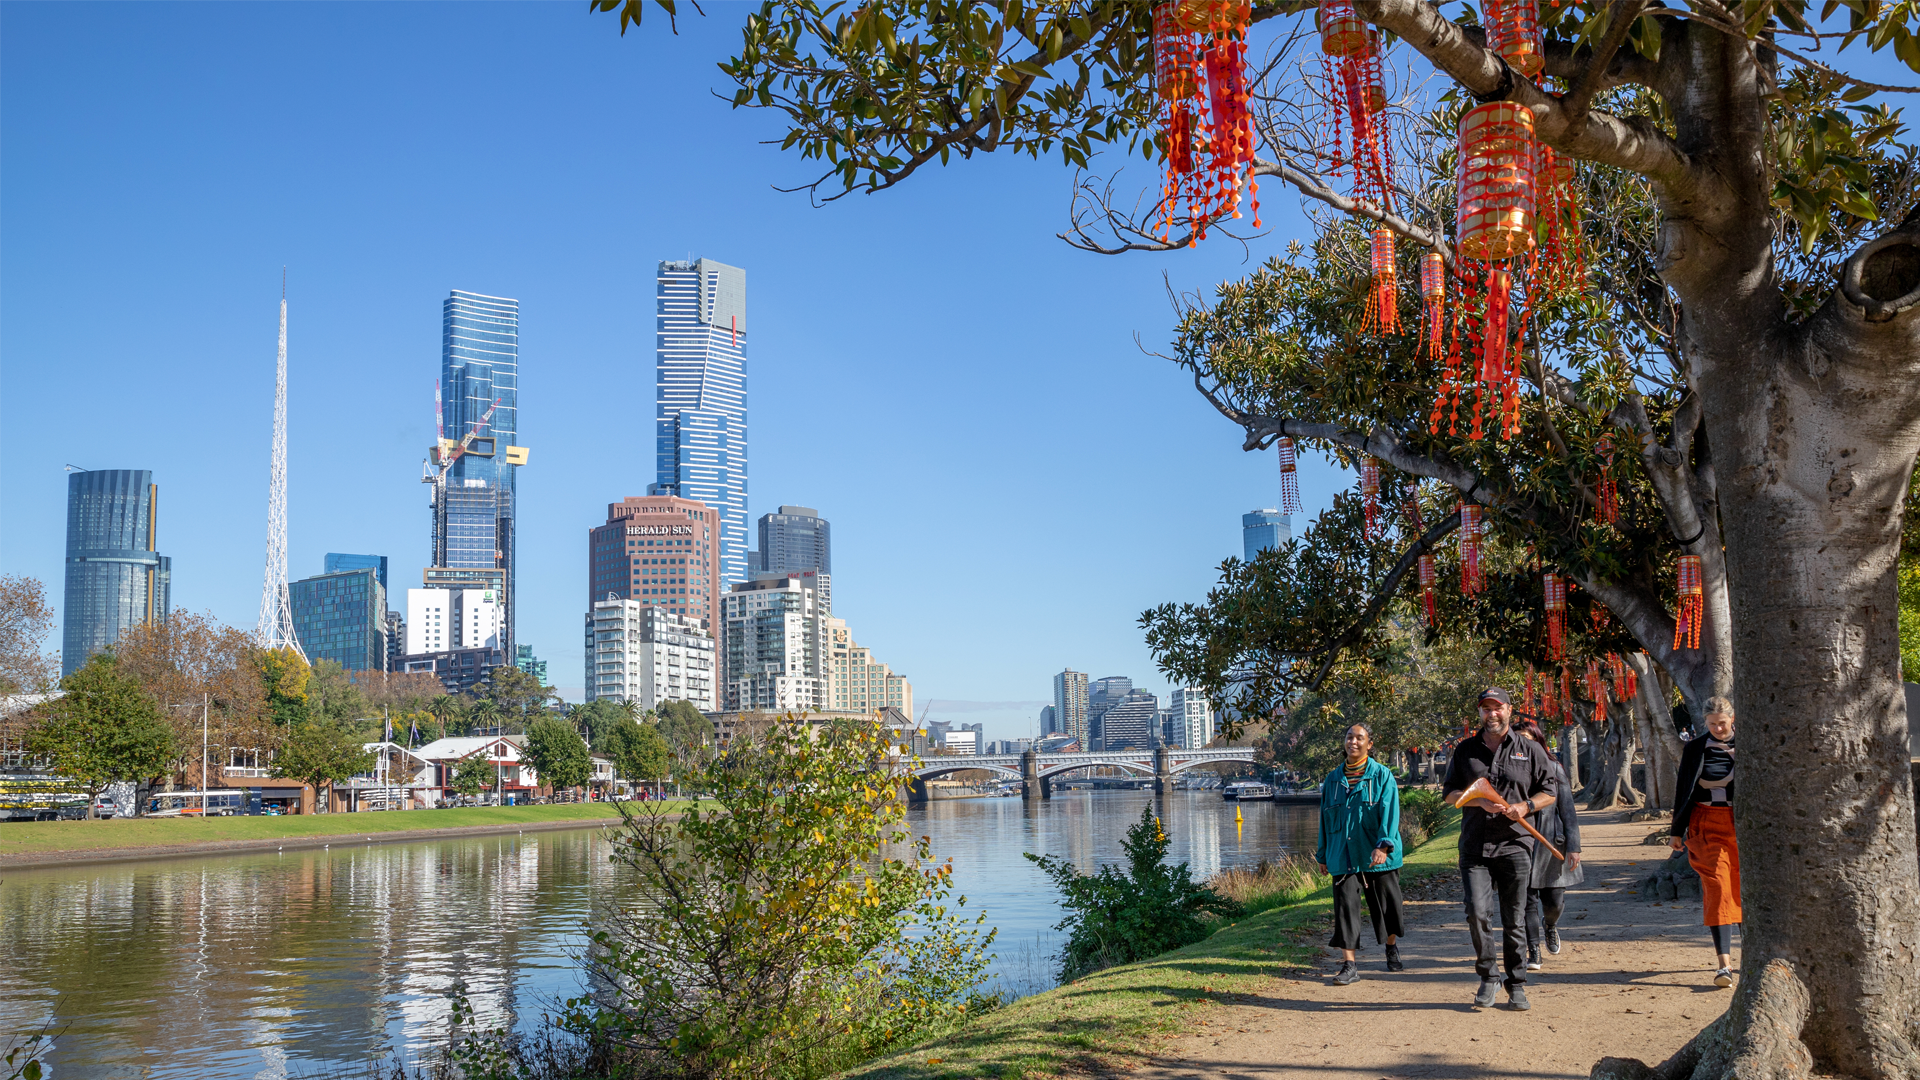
[1757, 1039]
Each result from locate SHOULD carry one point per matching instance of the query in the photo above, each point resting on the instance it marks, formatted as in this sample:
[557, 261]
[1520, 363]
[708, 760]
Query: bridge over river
[1037, 770]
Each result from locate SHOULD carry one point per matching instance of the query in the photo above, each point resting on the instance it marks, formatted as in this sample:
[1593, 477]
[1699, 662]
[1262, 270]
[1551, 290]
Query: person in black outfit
[1496, 854]
[1552, 877]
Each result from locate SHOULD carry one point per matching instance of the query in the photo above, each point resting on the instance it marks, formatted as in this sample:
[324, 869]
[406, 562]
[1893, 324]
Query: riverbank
[1115, 1020]
[39, 843]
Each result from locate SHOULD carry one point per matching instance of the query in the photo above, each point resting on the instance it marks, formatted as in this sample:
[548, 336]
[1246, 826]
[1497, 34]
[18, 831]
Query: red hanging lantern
[1608, 510]
[1566, 693]
[1289, 480]
[1556, 599]
[1427, 577]
[1526, 694]
[1354, 99]
[1471, 581]
[1563, 260]
[1618, 669]
[1383, 295]
[1369, 494]
[1597, 690]
[1495, 223]
[1433, 293]
[1513, 31]
[1686, 629]
[1200, 73]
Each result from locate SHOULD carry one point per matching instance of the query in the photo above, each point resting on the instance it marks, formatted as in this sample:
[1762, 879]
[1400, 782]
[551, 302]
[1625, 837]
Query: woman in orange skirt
[1703, 828]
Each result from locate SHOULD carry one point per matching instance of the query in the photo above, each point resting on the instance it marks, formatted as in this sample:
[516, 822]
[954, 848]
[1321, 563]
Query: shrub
[1268, 885]
[1117, 918]
[1422, 815]
[793, 929]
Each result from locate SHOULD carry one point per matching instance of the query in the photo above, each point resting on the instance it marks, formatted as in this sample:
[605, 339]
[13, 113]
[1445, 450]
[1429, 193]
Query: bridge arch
[1185, 765]
[936, 771]
[1134, 767]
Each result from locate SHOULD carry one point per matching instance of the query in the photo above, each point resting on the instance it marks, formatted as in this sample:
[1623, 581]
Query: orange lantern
[1199, 51]
[1686, 627]
[1355, 99]
[1494, 223]
[1608, 510]
[1369, 494]
[1428, 575]
[1556, 599]
[1471, 581]
[1513, 31]
[1342, 33]
[1289, 481]
[1383, 299]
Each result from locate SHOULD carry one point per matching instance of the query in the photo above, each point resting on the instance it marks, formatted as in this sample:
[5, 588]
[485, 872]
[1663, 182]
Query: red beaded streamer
[1289, 478]
[1471, 580]
[1597, 690]
[1428, 575]
[1556, 599]
[1608, 510]
[1526, 695]
[1369, 495]
[1566, 693]
[1686, 628]
[1383, 295]
[1200, 70]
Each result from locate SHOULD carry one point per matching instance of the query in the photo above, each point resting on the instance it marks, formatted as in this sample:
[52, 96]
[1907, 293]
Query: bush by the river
[1269, 884]
[1423, 814]
[1116, 917]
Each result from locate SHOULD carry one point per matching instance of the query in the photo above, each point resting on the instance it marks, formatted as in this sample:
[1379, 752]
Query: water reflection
[289, 964]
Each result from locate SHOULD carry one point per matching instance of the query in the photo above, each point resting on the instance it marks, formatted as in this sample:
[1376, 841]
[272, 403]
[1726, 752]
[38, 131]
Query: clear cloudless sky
[1010, 478]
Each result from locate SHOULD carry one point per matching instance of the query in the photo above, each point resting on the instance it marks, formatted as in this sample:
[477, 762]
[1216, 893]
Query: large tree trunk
[1659, 743]
[1613, 763]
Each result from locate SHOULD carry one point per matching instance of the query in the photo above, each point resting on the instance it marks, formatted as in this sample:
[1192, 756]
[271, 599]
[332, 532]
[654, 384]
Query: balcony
[245, 772]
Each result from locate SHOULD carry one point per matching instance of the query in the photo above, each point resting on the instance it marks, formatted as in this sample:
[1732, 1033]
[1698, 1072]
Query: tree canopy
[558, 755]
[104, 729]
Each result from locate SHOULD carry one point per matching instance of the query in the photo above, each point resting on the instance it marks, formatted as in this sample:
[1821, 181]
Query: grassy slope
[24, 837]
[1113, 1020]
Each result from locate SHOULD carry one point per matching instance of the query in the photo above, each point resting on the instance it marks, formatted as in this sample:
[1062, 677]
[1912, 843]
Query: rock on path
[1633, 979]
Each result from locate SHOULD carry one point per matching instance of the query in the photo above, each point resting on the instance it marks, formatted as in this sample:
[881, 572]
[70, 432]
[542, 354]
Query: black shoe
[1533, 959]
[1553, 940]
[1347, 975]
[1517, 999]
[1488, 987]
[1393, 959]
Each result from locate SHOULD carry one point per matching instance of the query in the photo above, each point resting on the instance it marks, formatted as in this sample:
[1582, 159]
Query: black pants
[1543, 913]
[1498, 881]
[1382, 892]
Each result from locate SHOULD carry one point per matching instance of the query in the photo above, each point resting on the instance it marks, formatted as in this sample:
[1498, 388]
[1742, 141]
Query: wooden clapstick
[1482, 790]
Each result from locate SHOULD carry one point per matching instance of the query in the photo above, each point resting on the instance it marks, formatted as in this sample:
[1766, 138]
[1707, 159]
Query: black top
[1703, 758]
[1518, 769]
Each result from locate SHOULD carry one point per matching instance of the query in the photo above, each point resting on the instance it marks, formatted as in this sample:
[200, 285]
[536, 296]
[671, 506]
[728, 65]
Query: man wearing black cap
[1495, 852]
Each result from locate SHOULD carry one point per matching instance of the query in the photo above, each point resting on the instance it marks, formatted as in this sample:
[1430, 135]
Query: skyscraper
[1070, 704]
[341, 616]
[1193, 725]
[661, 551]
[701, 398]
[116, 577]
[1128, 724]
[474, 508]
[337, 562]
[1264, 529]
[794, 539]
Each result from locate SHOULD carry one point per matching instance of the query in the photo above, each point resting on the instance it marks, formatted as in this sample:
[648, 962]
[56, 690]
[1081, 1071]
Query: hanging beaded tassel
[1608, 510]
[1383, 294]
[1526, 695]
[1355, 101]
[1548, 707]
[1471, 581]
[1618, 669]
[1200, 73]
[1369, 495]
[1428, 575]
[1686, 629]
[1289, 479]
[1494, 223]
[1566, 693]
[1597, 690]
[1433, 293]
[1556, 595]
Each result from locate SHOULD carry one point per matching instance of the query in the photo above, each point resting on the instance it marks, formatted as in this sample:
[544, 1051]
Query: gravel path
[1633, 979]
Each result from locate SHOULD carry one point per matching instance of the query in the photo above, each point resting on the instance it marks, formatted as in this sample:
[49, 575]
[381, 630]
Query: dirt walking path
[1633, 979]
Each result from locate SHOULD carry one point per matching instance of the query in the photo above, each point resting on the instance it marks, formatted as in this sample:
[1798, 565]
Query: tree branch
[1580, 97]
[1314, 188]
[1390, 585]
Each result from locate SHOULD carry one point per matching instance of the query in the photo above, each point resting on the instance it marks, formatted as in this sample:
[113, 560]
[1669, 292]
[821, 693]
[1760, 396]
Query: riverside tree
[25, 621]
[321, 753]
[557, 753]
[1782, 469]
[103, 730]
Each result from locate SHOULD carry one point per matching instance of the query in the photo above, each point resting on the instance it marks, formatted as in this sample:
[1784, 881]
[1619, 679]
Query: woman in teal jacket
[1360, 848]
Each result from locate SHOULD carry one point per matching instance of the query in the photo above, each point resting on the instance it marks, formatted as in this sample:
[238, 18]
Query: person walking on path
[1360, 848]
[1496, 853]
[1703, 828]
[1552, 876]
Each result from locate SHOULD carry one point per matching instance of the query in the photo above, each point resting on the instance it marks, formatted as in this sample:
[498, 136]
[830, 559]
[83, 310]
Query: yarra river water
[317, 961]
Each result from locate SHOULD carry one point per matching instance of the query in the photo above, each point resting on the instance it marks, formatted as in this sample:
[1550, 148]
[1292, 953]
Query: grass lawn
[37, 837]
[1113, 1020]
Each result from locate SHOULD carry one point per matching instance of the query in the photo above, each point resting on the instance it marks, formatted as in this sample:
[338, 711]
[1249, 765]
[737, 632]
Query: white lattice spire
[276, 606]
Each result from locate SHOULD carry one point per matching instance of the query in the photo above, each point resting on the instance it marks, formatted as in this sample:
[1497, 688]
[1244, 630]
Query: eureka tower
[701, 394]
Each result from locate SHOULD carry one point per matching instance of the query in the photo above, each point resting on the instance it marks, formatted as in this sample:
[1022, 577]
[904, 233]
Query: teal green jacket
[1353, 821]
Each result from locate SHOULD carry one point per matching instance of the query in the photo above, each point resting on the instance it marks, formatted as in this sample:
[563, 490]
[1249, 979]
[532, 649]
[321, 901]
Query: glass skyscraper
[337, 562]
[116, 578]
[701, 395]
[342, 616]
[795, 539]
[1262, 530]
[480, 370]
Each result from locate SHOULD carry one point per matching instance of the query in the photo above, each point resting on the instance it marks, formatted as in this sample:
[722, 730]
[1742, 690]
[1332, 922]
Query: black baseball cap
[1496, 694]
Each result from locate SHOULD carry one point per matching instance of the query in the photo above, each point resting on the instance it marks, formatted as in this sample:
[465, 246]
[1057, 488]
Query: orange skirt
[1715, 856]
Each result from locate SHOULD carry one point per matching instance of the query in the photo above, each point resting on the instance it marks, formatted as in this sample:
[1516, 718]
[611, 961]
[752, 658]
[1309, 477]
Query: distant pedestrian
[1360, 848]
[1552, 876]
[1703, 828]
[1496, 853]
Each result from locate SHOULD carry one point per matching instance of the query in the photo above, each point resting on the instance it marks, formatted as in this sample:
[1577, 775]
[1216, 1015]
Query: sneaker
[1347, 975]
[1393, 959]
[1533, 959]
[1517, 999]
[1553, 940]
[1488, 987]
[1723, 977]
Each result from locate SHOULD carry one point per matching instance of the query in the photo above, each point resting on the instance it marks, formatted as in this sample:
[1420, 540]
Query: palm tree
[444, 708]
[485, 713]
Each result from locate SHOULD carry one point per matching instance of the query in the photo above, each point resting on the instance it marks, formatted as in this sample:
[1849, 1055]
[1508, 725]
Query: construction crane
[444, 452]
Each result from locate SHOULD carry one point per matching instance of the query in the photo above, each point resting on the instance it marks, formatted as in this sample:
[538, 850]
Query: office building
[963, 742]
[459, 670]
[1104, 694]
[1049, 721]
[441, 620]
[701, 398]
[647, 655]
[1070, 705]
[1193, 725]
[858, 682]
[819, 581]
[658, 550]
[396, 625]
[116, 577]
[773, 657]
[478, 456]
[524, 659]
[1264, 529]
[1128, 724]
[795, 538]
[337, 562]
[341, 616]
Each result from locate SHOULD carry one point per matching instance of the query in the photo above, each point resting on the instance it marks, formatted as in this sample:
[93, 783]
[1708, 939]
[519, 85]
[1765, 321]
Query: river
[296, 963]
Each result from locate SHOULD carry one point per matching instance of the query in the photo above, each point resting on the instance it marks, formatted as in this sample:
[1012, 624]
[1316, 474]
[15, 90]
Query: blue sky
[1010, 480]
